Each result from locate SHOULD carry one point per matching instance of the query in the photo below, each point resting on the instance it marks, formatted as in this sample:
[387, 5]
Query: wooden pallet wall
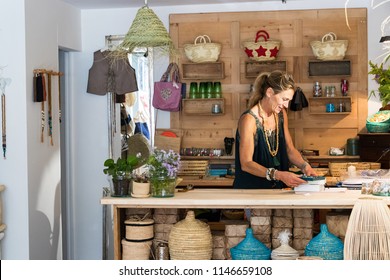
[296, 29]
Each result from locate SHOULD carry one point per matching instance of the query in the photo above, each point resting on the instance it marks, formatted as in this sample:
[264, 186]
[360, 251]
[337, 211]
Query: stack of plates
[313, 184]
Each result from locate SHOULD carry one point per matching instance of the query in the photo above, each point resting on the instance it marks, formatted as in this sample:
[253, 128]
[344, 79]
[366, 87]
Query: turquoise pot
[325, 245]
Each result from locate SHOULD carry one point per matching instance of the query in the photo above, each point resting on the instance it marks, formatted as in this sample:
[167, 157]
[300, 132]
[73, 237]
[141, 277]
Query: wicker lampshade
[147, 30]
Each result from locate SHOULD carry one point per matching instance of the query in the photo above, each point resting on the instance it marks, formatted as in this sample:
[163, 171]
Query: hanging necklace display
[40, 96]
[274, 150]
[49, 111]
[3, 83]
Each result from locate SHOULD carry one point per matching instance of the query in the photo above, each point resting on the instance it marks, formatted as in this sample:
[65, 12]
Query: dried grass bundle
[368, 232]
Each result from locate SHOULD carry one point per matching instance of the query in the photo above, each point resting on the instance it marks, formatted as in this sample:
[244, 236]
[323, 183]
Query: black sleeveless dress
[261, 155]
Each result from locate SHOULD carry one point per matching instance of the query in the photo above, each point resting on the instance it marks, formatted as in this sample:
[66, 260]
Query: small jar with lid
[317, 90]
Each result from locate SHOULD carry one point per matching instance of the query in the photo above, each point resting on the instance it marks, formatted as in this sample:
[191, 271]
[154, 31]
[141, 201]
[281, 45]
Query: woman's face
[281, 100]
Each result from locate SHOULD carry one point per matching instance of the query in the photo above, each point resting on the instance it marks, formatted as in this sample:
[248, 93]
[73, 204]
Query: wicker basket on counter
[338, 169]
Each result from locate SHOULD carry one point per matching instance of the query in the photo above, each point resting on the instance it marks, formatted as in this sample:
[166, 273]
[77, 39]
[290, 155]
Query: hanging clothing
[298, 101]
[111, 75]
[141, 124]
[261, 155]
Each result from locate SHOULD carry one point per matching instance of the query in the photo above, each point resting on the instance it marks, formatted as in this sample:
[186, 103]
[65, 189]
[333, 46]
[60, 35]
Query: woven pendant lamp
[147, 30]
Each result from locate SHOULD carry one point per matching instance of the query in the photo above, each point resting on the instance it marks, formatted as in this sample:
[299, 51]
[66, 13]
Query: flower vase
[163, 186]
[119, 186]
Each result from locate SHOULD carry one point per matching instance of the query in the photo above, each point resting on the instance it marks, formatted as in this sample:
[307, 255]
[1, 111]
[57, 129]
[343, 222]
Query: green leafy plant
[121, 167]
[382, 77]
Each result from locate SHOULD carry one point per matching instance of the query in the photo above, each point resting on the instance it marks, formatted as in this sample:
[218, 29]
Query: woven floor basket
[329, 48]
[136, 250]
[325, 245]
[139, 230]
[190, 239]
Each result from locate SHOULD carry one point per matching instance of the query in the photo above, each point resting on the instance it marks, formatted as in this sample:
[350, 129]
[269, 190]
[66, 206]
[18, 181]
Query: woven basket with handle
[329, 48]
[202, 50]
[262, 50]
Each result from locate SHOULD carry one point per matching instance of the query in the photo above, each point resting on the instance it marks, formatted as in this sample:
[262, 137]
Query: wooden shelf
[329, 68]
[203, 106]
[254, 68]
[317, 105]
[203, 71]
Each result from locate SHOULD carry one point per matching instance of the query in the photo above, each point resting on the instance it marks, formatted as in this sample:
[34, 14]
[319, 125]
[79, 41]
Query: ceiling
[106, 4]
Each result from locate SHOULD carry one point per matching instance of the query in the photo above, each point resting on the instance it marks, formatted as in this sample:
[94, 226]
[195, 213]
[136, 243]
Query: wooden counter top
[241, 199]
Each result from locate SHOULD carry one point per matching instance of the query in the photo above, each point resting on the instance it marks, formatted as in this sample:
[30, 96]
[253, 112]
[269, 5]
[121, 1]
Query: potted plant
[140, 183]
[382, 76]
[163, 167]
[119, 174]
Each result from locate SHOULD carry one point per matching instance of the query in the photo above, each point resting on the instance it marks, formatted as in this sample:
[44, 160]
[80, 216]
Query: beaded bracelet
[270, 174]
[274, 175]
[267, 174]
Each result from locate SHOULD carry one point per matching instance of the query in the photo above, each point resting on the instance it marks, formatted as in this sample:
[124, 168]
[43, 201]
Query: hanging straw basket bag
[262, 50]
[329, 48]
[202, 50]
[190, 239]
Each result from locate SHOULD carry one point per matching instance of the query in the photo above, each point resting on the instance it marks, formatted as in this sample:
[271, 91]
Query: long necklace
[273, 152]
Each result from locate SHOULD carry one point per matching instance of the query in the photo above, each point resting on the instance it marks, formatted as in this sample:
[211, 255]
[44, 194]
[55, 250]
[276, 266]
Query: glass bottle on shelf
[344, 87]
[327, 91]
[209, 89]
[193, 90]
[202, 90]
[217, 90]
[317, 91]
[332, 91]
[341, 106]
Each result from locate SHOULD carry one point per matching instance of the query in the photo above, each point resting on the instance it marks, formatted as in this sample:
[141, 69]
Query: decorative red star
[274, 52]
[249, 52]
[261, 51]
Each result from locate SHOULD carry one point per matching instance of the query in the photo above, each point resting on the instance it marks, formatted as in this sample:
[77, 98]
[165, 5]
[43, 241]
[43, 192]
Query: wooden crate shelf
[329, 68]
[317, 105]
[202, 106]
[203, 71]
[254, 68]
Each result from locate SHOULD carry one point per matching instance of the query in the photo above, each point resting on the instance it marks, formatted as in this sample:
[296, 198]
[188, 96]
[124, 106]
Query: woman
[264, 147]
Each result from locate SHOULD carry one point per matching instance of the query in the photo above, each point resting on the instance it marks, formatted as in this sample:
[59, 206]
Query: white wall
[30, 34]
[13, 170]
[29, 39]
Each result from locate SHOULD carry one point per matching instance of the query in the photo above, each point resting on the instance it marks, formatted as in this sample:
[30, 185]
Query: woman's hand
[291, 180]
[309, 171]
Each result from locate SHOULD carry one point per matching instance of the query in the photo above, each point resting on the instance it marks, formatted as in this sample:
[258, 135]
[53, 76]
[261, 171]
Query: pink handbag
[167, 94]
